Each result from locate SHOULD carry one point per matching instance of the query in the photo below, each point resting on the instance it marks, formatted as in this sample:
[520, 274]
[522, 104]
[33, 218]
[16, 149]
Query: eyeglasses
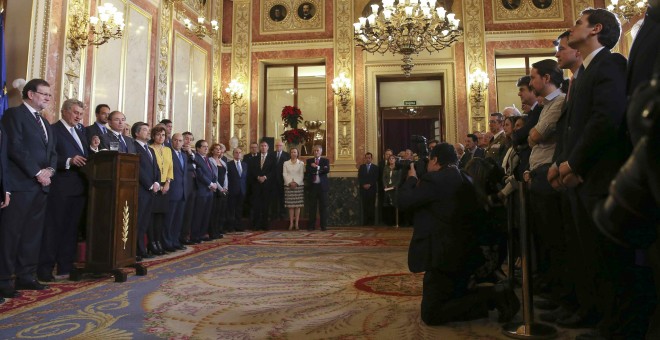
[44, 94]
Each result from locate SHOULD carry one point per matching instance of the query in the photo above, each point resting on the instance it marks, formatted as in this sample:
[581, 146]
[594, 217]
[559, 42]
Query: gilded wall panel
[240, 68]
[474, 35]
[344, 63]
[163, 66]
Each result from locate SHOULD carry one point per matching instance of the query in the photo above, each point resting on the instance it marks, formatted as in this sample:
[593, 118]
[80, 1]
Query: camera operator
[445, 243]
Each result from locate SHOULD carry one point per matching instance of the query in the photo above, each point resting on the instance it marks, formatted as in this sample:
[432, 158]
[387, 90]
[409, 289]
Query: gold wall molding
[528, 11]
[475, 54]
[240, 69]
[344, 62]
[217, 75]
[161, 100]
[523, 35]
[73, 77]
[39, 35]
[579, 6]
[450, 102]
[292, 45]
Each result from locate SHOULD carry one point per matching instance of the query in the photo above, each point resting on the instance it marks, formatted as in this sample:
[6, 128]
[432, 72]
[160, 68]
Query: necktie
[124, 148]
[570, 85]
[75, 137]
[208, 164]
[278, 156]
[316, 175]
[180, 159]
[238, 167]
[104, 130]
[263, 159]
[368, 167]
[146, 148]
[37, 116]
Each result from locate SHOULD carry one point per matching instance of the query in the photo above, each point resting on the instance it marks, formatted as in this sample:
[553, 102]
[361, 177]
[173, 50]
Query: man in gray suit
[116, 122]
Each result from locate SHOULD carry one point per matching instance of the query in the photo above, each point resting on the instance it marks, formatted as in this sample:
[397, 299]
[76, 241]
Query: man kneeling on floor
[444, 243]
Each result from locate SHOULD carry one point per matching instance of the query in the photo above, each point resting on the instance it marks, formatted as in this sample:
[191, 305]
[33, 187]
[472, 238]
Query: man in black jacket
[445, 243]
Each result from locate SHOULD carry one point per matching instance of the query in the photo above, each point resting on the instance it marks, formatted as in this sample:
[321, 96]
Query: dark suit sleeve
[606, 116]
[412, 195]
[17, 151]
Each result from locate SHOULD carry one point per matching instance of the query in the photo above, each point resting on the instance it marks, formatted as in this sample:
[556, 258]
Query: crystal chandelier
[97, 30]
[199, 29]
[627, 9]
[407, 27]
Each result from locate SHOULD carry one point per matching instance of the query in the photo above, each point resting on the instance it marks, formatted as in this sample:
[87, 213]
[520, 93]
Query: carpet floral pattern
[347, 283]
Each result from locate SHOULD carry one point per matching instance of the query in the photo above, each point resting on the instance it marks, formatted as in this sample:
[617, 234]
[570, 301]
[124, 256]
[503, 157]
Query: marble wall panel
[198, 96]
[181, 67]
[138, 33]
[344, 201]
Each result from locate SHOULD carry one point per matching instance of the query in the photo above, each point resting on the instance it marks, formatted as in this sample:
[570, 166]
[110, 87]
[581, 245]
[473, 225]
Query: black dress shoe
[205, 239]
[506, 302]
[50, 278]
[593, 335]
[545, 305]
[138, 258]
[552, 316]
[30, 285]
[181, 247]
[9, 293]
[2, 300]
[324, 228]
[188, 242]
[169, 249]
[575, 321]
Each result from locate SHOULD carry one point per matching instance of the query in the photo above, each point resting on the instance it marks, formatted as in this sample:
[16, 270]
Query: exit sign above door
[409, 102]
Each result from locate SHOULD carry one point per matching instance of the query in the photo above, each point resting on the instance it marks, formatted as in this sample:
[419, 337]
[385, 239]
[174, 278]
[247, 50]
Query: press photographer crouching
[445, 243]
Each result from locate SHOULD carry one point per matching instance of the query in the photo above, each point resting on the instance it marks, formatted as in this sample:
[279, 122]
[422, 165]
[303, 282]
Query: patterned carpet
[346, 283]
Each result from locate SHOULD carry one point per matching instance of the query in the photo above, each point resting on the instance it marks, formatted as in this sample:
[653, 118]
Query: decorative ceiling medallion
[506, 11]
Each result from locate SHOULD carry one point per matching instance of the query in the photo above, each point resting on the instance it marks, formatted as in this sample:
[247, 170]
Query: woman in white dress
[293, 173]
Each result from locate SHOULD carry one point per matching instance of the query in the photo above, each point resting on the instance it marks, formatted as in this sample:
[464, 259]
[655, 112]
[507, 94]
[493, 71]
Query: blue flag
[4, 103]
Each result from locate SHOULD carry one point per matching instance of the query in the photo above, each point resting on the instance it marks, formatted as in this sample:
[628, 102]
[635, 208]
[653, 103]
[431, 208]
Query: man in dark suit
[445, 243]
[32, 160]
[68, 195]
[237, 171]
[593, 149]
[261, 174]
[177, 195]
[316, 174]
[471, 150]
[206, 181]
[368, 179]
[277, 206]
[254, 151]
[188, 149]
[149, 183]
[98, 128]
[528, 100]
[117, 121]
[4, 188]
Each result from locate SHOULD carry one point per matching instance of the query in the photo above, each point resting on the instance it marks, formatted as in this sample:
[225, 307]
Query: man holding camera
[445, 243]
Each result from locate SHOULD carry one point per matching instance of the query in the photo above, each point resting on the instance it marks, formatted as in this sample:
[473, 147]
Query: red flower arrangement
[291, 116]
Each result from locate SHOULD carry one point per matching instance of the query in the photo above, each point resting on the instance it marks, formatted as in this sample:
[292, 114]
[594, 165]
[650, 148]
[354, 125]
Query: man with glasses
[32, 159]
[117, 121]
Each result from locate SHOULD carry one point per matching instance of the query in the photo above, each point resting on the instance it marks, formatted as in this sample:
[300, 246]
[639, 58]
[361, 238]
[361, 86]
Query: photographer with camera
[445, 243]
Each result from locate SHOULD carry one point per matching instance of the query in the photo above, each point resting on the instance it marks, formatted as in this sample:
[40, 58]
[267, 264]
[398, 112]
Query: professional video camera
[420, 147]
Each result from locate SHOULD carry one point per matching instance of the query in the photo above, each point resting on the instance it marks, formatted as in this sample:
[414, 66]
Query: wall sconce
[478, 81]
[627, 9]
[199, 29]
[235, 91]
[341, 86]
[85, 30]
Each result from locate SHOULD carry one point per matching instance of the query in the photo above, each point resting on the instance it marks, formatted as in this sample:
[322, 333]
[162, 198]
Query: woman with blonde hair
[293, 173]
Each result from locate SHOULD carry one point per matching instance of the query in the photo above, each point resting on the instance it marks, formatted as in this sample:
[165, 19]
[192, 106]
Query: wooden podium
[111, 215]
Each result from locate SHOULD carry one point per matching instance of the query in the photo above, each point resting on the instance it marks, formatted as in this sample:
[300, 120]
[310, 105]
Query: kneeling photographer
[445, 243]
